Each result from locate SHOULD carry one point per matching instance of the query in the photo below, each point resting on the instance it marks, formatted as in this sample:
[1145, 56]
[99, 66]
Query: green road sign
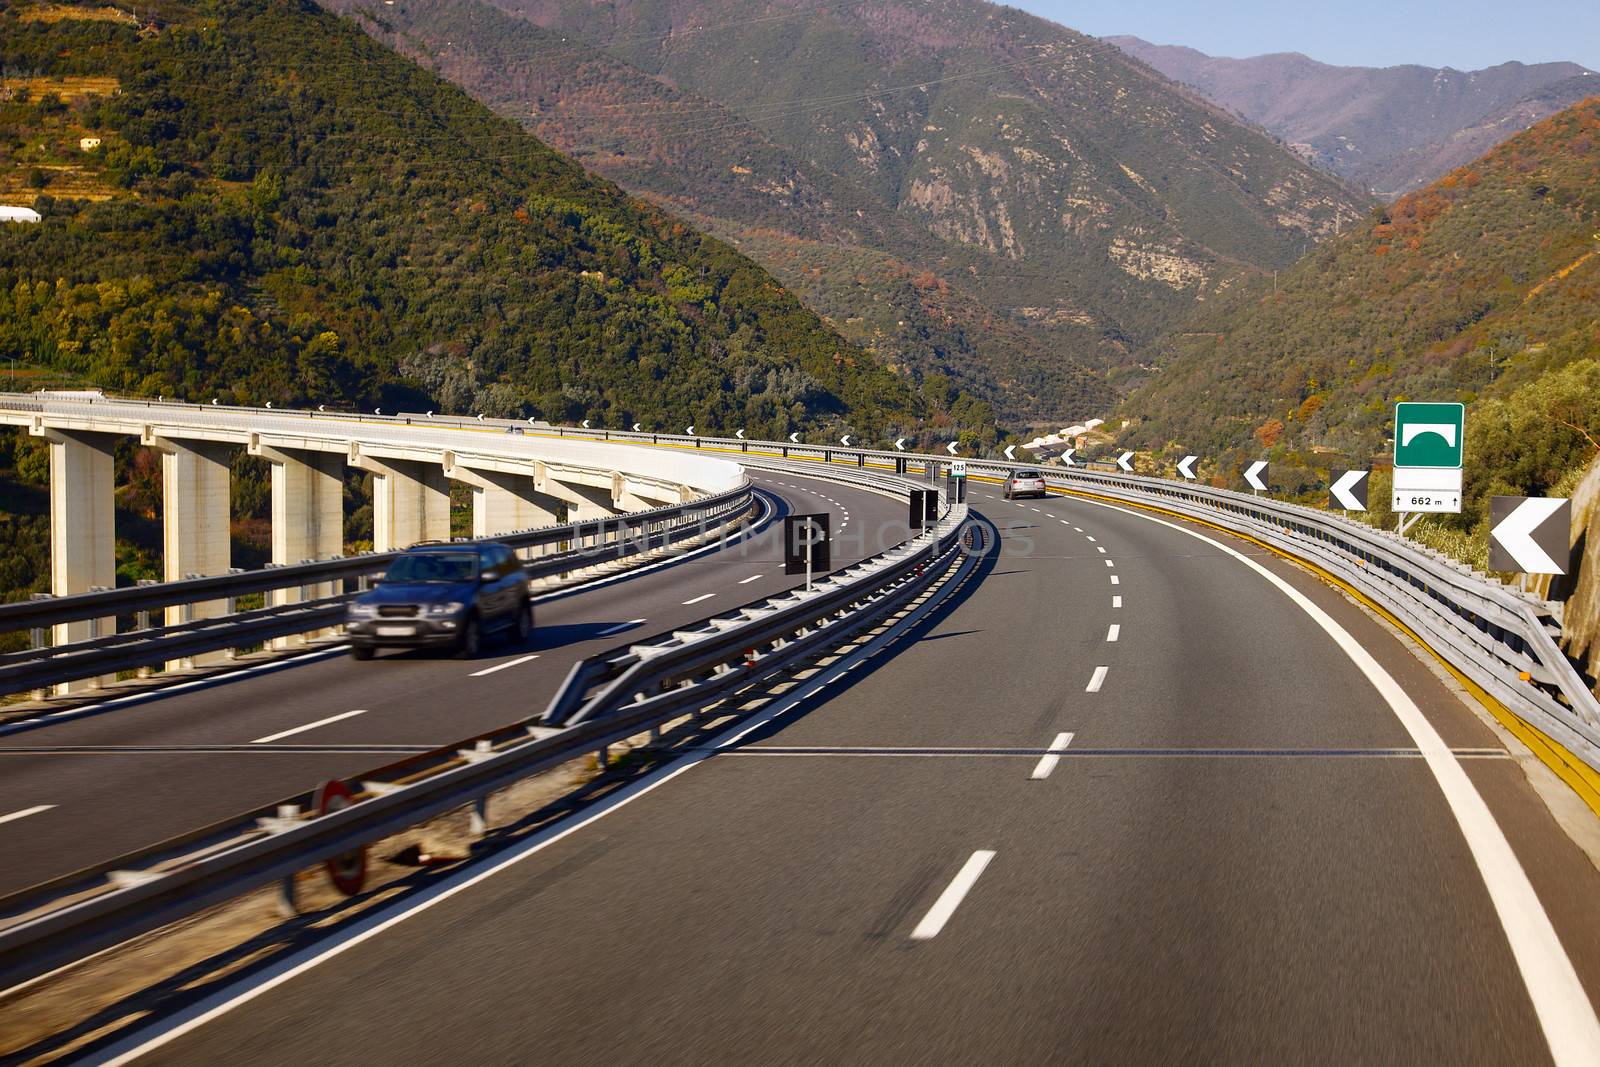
[1429, 435]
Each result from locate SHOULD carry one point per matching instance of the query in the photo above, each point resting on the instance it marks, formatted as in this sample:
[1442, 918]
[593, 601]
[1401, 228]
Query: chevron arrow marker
[952, 446]
[1529, 533]
[1011, 452]
[1125, 462]
[899, 444]
[794, 438]
[739, 434]
[1066, 457]
[845, 440]
[1186, 466]
[690, 430]
[636, 428]
[1348, 490]
[1256, 475]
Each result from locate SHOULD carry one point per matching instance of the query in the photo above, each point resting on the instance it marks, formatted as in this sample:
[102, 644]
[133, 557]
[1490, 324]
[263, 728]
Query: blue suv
[442, 596]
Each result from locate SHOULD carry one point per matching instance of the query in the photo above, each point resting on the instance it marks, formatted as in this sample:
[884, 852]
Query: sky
[1465, 34]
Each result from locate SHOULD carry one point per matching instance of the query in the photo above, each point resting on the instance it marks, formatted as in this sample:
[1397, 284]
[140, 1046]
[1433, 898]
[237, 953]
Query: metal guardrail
[1490, 632]
[72, 917]
[598, 541]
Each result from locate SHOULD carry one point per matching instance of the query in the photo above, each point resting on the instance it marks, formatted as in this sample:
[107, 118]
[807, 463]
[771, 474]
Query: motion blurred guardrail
[605, 700]
[568, 548]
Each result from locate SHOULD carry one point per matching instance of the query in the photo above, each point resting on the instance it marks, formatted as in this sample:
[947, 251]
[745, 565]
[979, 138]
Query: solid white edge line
[952, 896]
[281, 734]
[1047, 764]
[1097, 680]
[1114, 632]
[696, 600]
[520, 660]
[1559, 1000]
[25, 812]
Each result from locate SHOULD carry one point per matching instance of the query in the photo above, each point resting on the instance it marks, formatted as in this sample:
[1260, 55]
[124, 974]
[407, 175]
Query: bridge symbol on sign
[1428, 435]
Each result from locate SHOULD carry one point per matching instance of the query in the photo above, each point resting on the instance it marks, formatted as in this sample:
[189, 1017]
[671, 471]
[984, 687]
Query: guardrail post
[479, 825]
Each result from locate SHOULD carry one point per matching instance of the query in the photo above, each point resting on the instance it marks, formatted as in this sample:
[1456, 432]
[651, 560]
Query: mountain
[274, 207]
[1390, 129]
[970, 192]
[1483, 288]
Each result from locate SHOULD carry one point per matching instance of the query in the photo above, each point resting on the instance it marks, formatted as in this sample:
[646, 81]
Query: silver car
[1024, 483]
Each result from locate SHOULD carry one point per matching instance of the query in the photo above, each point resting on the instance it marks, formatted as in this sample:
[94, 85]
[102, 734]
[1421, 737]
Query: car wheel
[360, 651]
[524, 623]
[470, 640]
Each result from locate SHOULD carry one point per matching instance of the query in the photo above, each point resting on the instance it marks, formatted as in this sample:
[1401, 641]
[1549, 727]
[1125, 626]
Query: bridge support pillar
[503, 502]
[410, 503]
[195, 481]
[644, 496]
[83, 544]
[307, 520]
[585, 499]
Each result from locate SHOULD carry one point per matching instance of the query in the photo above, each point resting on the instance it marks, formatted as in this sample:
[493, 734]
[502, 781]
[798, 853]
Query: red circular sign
[348, 870]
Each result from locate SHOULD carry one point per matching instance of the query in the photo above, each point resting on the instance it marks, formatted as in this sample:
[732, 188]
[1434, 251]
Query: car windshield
[434, 567]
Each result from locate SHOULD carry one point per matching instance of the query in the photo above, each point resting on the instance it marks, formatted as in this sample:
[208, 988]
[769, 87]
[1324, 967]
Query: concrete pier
[195, 483]
[83, 543]
[410, 503]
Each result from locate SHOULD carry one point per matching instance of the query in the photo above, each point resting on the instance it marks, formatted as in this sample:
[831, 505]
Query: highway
[92, 788]
[1127, 800]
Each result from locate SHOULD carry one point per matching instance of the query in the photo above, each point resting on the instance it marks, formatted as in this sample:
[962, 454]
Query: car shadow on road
[547, 637]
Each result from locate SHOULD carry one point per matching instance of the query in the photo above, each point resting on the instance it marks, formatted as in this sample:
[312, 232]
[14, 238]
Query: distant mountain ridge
[967, 191]
[1483, 288]
[1391, 129]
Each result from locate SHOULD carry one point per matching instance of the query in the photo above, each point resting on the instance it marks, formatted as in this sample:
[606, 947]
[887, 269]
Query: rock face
[1581, 620]
[964, 188]
[1390, 129]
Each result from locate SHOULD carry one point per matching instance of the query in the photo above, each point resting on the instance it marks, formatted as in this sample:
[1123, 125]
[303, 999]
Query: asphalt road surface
[200, 755]
[1127, 801]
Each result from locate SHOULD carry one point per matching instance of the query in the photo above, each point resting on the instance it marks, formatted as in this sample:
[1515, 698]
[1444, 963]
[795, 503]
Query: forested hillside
[965, 189]
[1483, 288]
[280, 209]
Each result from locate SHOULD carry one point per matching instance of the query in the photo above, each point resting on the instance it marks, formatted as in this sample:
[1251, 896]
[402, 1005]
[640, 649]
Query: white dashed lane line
[526, 659]
[747, 581]
[1110, 563]
[25, 812]
[1115, 632]
[1115, 580]
[1097, 680]
[617, 629]
[696, 600]
[953, 895]
[280, 735]
[1047, 764]
[1116, 602]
